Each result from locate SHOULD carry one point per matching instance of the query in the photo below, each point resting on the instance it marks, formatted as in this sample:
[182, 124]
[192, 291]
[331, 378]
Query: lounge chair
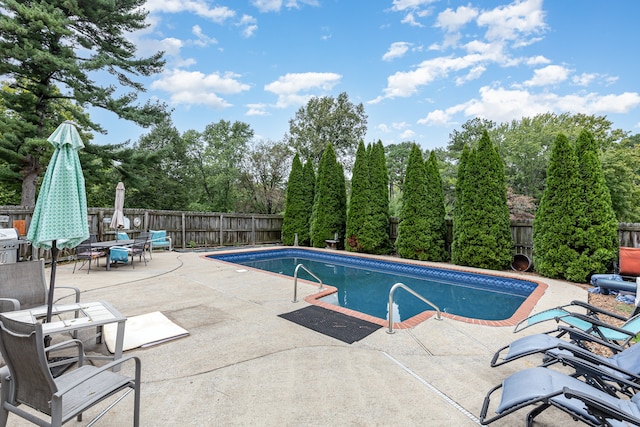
[565, 313]
[624, 364]
[23, 285]
[27, 379]
[159, 239]
[544, 388]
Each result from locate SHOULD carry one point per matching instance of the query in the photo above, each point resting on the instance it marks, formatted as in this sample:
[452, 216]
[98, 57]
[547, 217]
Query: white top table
[73, 317]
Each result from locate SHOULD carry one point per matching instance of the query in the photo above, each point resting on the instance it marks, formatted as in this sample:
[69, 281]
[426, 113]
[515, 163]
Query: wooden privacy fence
[209, 229]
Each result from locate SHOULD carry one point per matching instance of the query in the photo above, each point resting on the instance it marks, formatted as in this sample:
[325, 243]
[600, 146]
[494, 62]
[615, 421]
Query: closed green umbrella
[60, 216]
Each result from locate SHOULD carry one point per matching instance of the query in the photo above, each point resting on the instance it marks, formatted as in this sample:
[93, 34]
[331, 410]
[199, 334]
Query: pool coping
[523, 311]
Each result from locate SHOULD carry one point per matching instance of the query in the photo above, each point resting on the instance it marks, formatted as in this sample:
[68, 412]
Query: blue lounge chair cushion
[159, 238]
[119, 254]
[121, 235]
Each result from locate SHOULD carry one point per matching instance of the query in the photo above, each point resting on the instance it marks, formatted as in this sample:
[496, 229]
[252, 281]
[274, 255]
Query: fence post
[221, 229]
[184, 232]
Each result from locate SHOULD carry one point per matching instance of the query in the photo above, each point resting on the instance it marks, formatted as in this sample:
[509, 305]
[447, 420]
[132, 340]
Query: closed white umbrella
[117, 220]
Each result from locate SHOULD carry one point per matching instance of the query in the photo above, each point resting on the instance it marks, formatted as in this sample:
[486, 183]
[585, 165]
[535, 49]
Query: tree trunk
[30, 175]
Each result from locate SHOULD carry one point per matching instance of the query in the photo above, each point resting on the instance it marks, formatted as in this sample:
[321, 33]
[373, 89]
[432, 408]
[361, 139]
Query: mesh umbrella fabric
[117, 220]
[60, 213]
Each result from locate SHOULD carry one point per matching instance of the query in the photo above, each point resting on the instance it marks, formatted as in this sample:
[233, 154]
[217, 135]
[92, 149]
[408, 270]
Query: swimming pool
[363, 284]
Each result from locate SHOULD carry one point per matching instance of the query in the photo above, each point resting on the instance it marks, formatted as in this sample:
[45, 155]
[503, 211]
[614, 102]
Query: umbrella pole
[54, 262]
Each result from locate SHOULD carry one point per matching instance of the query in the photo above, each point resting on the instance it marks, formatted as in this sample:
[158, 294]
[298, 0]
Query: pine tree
[359, 205]
[412, 238]
[485, 235]
[599, 226]
[295, 221]
[378, 223]
[435, 212]
[309, 178]
[329, 207]
[555, 229]
[459, 208]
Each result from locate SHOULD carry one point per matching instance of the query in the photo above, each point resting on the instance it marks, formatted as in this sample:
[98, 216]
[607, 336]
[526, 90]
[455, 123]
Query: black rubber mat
[336, 325]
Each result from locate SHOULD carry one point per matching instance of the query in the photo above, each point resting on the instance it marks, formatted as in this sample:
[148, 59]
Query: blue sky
[421, 68]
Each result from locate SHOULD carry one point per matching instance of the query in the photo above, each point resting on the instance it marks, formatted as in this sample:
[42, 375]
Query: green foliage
[360, 203]
[54, 46]
[525, 145]
[378, 224]
[397, 156]
[413, 231]
[295, 219]
[262, 184]
[330, 202]
[599, 226]
[555, 229]
[327, 119]
[622, 174]
[484, 238]
[459, 208]
[435, 213]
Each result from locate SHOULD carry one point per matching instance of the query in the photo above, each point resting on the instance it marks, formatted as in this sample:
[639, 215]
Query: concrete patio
[244, 365]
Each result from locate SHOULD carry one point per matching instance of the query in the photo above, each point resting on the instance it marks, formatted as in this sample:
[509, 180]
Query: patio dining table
[108, 244]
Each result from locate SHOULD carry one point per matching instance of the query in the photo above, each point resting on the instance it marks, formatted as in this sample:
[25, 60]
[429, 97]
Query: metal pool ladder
[295, 280]
[415, 294]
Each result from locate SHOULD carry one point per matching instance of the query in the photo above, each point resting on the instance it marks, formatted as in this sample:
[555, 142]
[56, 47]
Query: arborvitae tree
[458, 208]
[599, 226]
[309, 178]
[379, 216]
[329, 207]
[412, 235]
[485, 237]
[295, 220]
[359, 205]
[435, 212]
[555, 229]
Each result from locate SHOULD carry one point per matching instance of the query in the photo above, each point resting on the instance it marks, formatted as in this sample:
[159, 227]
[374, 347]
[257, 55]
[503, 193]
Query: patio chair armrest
[11, 304]
[61, 392]
[67, 344]
[600, 407]
[594, 367]
[75, 290]
[599, 323]
[580, 335]
[592, 309]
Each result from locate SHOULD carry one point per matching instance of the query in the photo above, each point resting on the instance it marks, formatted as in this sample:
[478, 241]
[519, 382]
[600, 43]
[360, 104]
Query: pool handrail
[295, 280]
[415, 294]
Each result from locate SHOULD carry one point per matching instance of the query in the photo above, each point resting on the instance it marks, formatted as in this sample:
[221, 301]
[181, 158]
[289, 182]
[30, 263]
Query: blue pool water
[363, 284]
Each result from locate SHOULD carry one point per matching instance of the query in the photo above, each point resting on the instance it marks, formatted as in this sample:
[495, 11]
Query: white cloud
[266, 6]
[383, 128]
[402, 5]
[537, 60]
[396, 50]
[473, 74]
[407, 134]
[249, 24]
[452, 21]
[202, 39]
[411, 20]
[436, 118]
[196, 88]
[503, 105]
[257, 110]
[548, 75]
[217, 14]
[584, 79]
[514, 21]
[293, 88]
[406, 83]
